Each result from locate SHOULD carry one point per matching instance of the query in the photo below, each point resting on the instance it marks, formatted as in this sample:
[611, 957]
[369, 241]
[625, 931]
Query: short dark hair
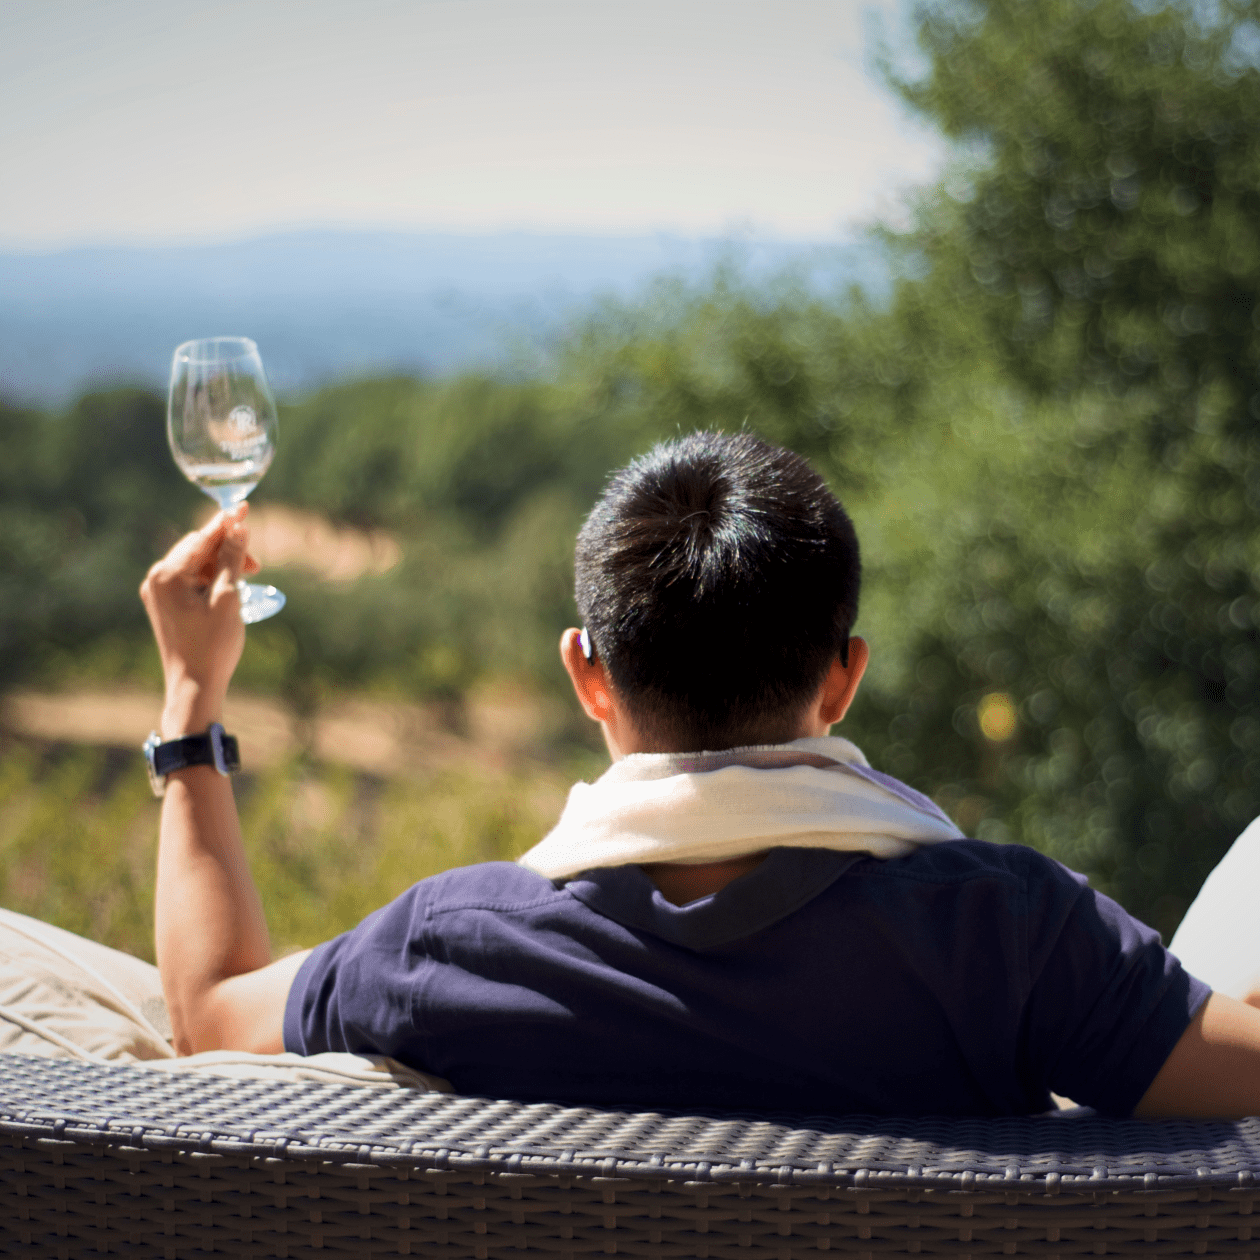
[718, 579]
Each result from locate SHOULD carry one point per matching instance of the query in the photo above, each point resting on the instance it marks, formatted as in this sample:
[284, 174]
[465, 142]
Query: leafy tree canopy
[1101, 225]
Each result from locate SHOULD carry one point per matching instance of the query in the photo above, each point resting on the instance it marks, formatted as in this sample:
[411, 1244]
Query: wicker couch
[118, 1160]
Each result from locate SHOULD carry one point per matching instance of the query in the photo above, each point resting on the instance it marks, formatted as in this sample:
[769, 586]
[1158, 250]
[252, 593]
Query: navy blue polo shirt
[964, 979]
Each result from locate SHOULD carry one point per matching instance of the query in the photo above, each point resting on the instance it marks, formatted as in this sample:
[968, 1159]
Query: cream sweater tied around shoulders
[705, 807]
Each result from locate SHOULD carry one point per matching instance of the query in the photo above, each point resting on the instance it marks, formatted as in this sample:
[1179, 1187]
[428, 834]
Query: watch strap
[213, 748]
[195, 750]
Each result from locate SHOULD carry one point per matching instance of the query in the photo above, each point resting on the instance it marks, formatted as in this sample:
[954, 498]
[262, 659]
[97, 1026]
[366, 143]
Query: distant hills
[324, 305]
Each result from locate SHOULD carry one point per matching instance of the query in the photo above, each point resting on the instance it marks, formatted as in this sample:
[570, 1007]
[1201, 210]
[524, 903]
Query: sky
[145, 123]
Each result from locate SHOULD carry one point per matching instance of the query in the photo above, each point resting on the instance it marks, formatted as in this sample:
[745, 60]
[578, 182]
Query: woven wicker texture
[119, 1160]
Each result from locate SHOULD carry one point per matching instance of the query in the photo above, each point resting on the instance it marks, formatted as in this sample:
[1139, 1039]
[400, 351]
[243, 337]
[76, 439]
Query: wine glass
[222, 426]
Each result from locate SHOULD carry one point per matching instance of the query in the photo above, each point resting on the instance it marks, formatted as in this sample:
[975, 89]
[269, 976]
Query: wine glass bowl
[222, 427]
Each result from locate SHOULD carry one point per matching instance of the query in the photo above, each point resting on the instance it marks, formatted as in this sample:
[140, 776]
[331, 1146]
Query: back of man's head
[718, 579]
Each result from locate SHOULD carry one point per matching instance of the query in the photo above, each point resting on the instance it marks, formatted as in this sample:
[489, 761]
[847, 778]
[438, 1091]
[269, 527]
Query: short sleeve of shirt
[356, 992]
[1107, 1002]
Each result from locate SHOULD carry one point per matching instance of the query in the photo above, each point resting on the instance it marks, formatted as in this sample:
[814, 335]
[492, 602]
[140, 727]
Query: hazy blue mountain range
[324, 305]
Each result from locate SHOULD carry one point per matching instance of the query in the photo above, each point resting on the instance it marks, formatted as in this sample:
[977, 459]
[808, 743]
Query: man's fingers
[229, 564]
[233, 551]
[196, 554]
[193, 555]
[201, 544]
[211, 538]
[224, 589]
[232, 561]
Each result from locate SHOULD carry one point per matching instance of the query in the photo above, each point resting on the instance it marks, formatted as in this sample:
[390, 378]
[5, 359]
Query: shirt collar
[786, 880]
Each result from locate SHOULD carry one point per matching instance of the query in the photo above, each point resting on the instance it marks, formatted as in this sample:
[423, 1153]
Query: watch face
[216, 748]
[156, 781]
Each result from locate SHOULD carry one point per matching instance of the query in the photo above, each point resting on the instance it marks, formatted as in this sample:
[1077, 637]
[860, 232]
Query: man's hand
[190, 596]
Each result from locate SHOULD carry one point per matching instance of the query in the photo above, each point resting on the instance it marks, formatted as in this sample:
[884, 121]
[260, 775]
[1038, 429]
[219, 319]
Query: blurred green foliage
[1101, 228]
[1047, 436]
[86, 499]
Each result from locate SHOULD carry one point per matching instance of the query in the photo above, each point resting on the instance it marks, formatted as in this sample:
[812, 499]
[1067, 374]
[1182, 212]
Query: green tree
[87, 502]
[1102, 224]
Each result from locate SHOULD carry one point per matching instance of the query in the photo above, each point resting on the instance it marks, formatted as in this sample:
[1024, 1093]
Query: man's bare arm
[222, 988]
[1213, 1072]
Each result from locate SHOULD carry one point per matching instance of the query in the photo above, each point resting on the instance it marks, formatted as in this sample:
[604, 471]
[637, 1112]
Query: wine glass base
[258, 602]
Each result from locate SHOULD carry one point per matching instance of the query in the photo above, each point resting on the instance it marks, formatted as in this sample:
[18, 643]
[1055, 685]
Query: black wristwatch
[214, 748]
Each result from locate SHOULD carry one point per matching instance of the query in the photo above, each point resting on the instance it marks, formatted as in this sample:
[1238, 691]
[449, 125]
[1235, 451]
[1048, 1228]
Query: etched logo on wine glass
[242, 437]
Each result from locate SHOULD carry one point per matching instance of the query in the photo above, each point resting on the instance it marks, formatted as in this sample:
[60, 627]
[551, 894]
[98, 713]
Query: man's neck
[680, 883]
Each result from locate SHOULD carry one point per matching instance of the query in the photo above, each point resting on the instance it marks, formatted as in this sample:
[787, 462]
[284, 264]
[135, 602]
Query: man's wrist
[176, 723]
[189, 711]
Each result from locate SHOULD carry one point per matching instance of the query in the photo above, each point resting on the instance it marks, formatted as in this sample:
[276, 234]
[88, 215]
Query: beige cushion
[329, 1069]
[65, 997]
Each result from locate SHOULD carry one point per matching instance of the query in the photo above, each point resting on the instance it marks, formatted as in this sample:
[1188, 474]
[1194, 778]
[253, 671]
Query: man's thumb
[230, 560]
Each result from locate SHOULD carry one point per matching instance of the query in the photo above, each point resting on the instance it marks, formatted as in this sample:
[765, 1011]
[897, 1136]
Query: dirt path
[385, 738]
[281, 536]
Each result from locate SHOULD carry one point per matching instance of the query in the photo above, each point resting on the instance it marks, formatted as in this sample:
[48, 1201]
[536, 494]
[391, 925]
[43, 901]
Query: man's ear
[590, 681]
[841, 683]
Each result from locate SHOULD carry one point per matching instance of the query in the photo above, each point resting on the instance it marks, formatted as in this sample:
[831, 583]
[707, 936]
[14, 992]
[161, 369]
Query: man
[740, 913]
